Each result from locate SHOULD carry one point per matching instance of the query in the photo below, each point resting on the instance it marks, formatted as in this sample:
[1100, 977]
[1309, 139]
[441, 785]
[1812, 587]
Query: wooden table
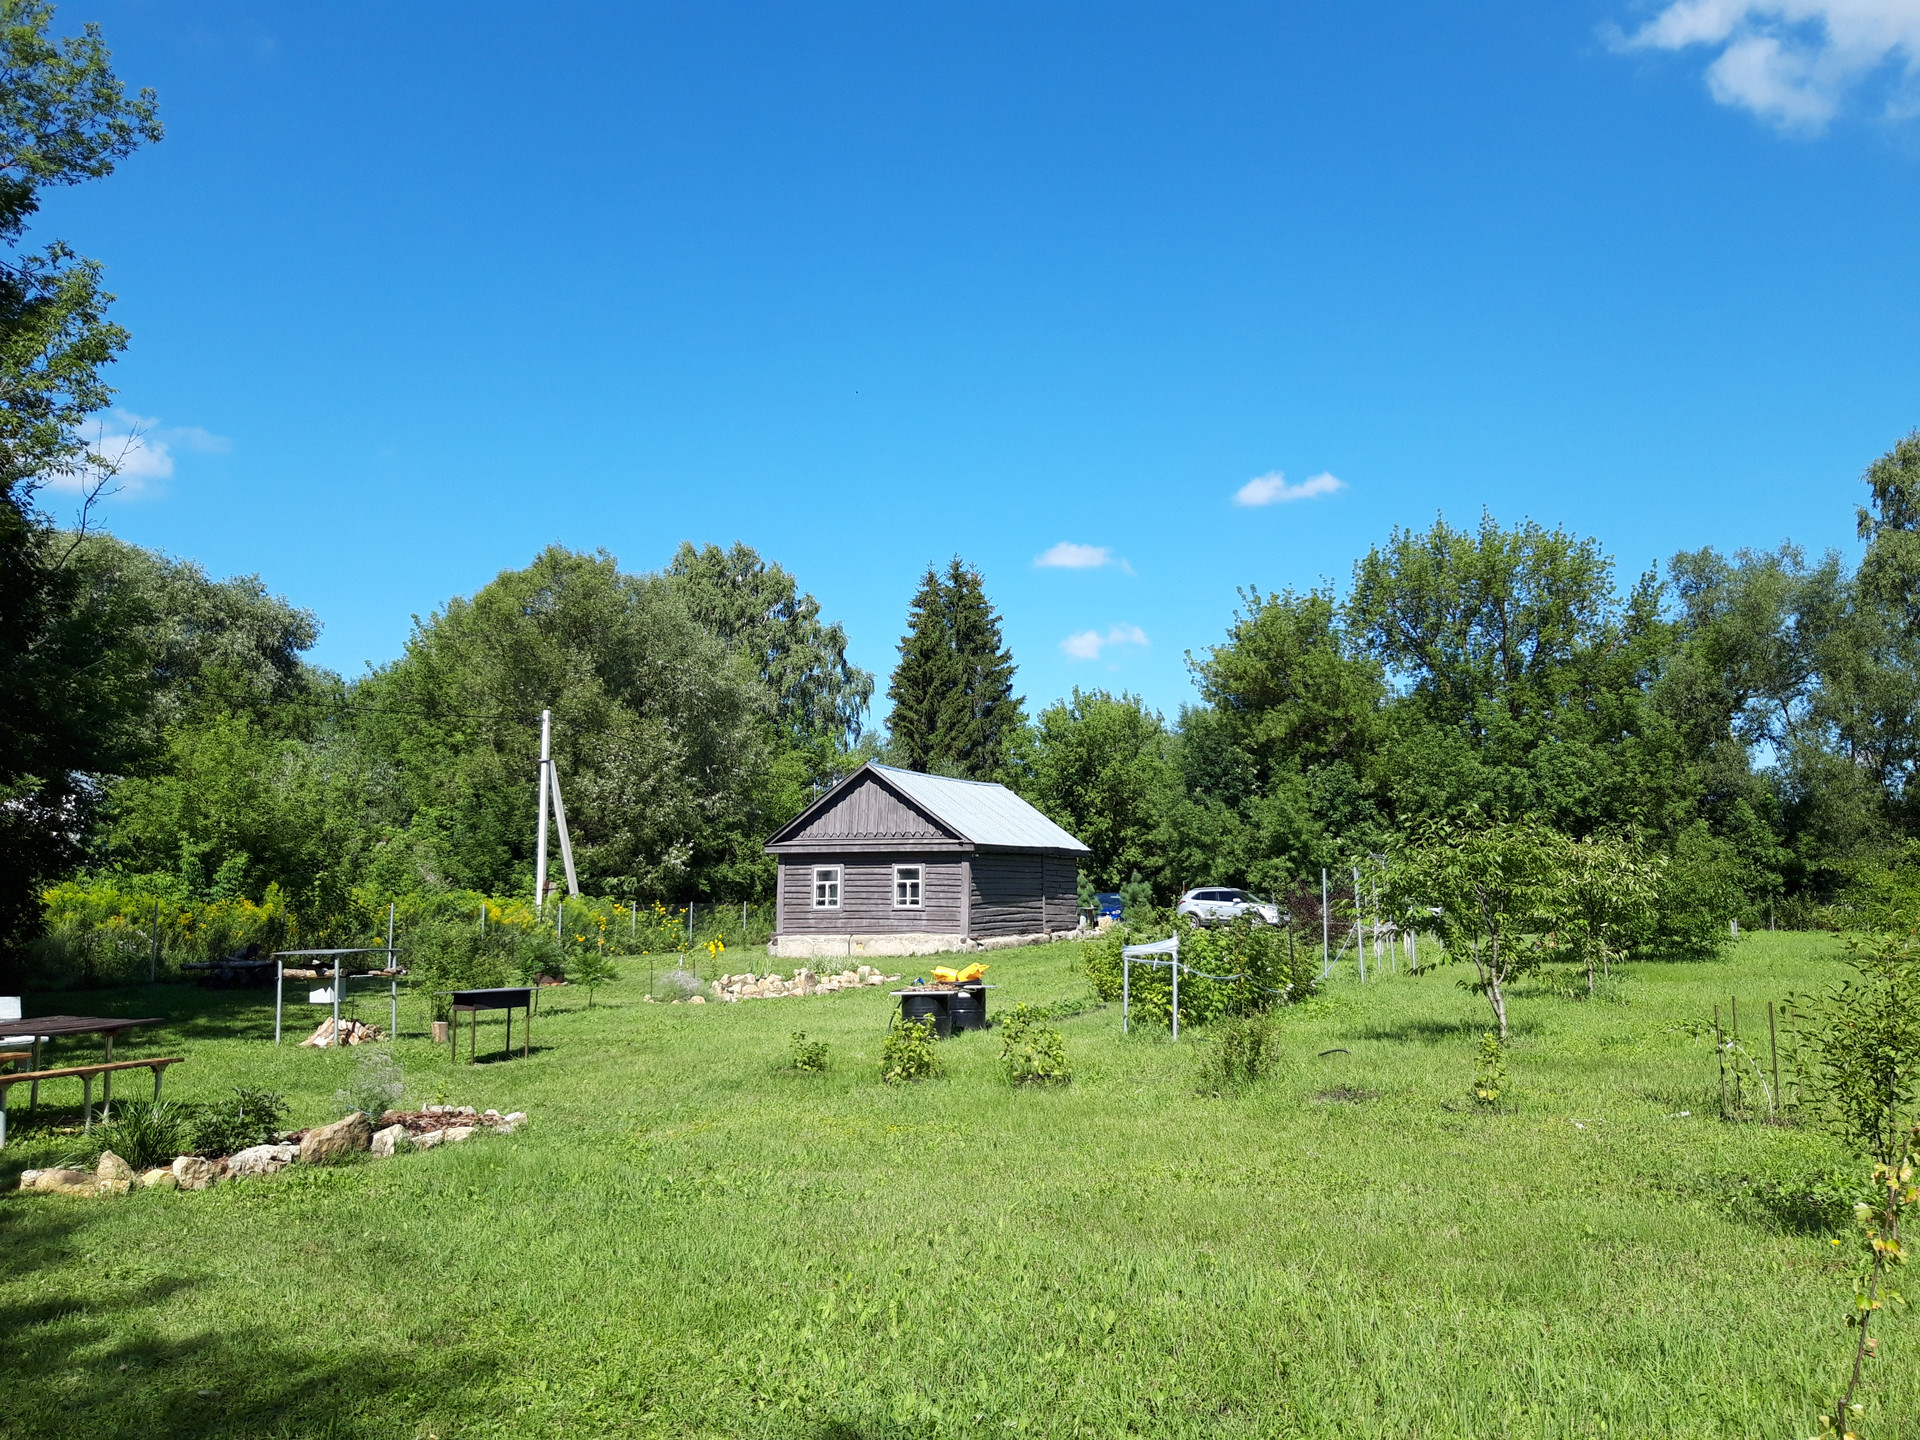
[51, 1027]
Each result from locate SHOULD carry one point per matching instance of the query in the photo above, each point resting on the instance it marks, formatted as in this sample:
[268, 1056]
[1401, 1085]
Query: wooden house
[894, 862]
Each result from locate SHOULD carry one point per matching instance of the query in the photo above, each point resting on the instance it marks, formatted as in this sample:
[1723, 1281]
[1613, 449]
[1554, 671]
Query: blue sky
[416, 290]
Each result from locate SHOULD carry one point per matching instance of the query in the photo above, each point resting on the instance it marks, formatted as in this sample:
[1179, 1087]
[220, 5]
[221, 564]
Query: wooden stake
[1719, 1048]
[1773, 1046]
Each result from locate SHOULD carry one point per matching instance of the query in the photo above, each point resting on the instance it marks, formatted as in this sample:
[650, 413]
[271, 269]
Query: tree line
[1748, 717]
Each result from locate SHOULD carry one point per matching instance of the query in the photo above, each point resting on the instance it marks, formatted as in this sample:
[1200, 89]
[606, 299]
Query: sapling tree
[1601, 899]
[1489, 892]
[1860, 1064]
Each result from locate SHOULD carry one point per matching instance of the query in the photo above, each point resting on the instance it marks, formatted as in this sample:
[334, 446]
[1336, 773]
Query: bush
[146, 1136]
[809, 1055]
[1244, 1051]
[1490, 1074]
[684, 983]
[377, 1084]
[1031, 1050]
[1272, 967]
[907, 1055]
[226, 1127]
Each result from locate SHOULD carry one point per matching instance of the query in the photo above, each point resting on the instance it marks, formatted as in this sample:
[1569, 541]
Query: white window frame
[919, 883]
[828, 883]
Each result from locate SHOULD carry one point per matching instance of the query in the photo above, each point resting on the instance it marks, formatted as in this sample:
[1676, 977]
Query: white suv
[1216, 905]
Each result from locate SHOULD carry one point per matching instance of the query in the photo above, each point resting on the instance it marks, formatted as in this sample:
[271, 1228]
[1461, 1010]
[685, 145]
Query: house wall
[1015, 894]
[866, 895]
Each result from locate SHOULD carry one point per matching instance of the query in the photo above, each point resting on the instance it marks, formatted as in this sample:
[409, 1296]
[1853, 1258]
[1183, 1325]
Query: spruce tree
[981, 714]
[954, 711]
[928, 672]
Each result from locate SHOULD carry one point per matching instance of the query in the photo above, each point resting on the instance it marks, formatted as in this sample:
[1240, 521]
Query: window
[906, 887]
[826, 887]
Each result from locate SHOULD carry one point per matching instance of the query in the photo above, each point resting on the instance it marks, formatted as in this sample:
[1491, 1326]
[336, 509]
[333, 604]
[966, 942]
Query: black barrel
[936, 1006]
[970, 1007]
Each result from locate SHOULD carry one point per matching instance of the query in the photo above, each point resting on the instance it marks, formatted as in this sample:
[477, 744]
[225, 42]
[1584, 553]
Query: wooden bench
[85, 1074]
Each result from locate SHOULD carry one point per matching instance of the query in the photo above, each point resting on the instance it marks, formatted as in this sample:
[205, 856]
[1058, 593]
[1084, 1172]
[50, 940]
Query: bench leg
[3, 1115]
[106, 1096]
[86, 1126]
[158, 1071]
[33, 1091]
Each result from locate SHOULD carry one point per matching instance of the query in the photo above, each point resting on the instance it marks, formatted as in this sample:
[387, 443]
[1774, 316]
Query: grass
[694, 1238]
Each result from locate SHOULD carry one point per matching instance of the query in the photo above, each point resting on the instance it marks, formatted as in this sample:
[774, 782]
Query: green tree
[1101, 770]
[929, 671]
[64, 118]
[757, 609]
[1489, 891]
[954, 710]
[661, 737]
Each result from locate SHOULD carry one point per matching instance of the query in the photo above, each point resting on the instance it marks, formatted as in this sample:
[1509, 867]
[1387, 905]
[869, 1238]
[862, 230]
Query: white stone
[390, 1141]
[429, 1140]
[190, 1172]
[262, 1160]
[458, 1133]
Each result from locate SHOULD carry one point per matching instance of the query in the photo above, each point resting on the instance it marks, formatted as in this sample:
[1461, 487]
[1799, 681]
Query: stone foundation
[855, 947]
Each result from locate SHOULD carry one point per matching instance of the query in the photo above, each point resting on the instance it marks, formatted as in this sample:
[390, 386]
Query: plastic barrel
[937, 1008]
[970, 1007]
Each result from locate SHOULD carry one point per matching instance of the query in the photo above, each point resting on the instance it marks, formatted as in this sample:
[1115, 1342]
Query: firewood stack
[352, 1032]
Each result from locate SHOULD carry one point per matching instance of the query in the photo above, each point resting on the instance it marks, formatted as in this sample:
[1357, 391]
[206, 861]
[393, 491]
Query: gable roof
[976, 812]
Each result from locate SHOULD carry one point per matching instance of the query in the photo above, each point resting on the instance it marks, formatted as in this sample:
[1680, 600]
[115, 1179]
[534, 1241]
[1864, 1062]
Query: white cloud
[1273, 489]
[1088, 644]
[138, 449]
[1069, 556]
[1793, 61]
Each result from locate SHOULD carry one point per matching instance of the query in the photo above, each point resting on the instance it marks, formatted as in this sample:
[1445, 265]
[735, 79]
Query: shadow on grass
[144, 1361]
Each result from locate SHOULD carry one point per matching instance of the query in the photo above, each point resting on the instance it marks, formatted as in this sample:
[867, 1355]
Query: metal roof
[980, 811]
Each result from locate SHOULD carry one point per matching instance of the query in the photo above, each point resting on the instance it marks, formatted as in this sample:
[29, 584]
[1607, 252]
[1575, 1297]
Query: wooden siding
[1006, 894]
[868, 811]
[866, 896]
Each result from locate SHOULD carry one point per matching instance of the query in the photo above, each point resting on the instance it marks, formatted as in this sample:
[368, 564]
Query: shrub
[908, 1054]
[809, 1055]
[1031, 1050]
[145, 1136]
[684, 983]
[1271, 965]
[1490, 1075]
[377, 1083]
[1244, 1051]
[226, 1127]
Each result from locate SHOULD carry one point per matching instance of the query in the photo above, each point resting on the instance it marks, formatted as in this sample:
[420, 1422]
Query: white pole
[393, 985]
[540, 836]
[279, 995]
[336, 1000]
[1326, 923]
[1359, 928]
[566, 840]
[1126, 987]
[1176, 986]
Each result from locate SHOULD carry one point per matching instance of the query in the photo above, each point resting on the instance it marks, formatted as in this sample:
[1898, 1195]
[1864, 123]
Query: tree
[954, 710]
[1100, 769]
[757, 610]
[661, 736]
[64, 118]
[1602, 901]
[929, 670]
[1489, 890]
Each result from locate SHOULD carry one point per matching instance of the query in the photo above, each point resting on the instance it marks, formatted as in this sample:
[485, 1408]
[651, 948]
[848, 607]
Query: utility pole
[540, 835]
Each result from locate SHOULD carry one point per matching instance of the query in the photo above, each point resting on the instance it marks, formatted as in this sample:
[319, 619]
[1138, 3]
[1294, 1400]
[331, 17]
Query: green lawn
[691, 1239]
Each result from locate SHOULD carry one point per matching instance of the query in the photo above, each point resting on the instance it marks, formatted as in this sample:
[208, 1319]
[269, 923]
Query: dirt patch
[1346, 1095]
